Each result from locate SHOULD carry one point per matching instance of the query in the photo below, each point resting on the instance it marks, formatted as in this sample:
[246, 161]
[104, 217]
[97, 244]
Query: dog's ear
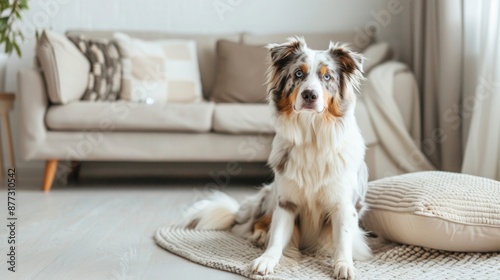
[350, 65]
[349, 60]
[282, 54]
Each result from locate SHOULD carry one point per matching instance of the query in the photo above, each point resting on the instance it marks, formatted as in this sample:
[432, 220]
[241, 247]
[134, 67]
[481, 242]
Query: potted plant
[10, 36]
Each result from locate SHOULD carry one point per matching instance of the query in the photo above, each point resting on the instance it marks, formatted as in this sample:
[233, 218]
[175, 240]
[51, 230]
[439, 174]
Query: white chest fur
[310, 153]
[310, 167]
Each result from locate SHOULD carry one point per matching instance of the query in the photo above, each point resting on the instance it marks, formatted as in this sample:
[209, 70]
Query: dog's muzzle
[309, 97]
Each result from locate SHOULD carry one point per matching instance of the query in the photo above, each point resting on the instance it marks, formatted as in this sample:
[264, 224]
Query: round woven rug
[224, 251]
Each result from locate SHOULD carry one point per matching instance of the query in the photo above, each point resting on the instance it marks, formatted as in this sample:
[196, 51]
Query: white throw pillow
[159, 71]
[65, 68]
[375, 54]
[440, 210]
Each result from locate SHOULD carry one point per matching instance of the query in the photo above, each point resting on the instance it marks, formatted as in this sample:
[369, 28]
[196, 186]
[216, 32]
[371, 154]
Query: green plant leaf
[8, 45]
[4, 4]
[18, 50]
[4, 23]
[10, 36]
[21, 35]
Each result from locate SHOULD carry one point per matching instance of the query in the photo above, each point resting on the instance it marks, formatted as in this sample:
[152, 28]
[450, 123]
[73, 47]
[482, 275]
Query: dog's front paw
[344, 270]
[264, 265]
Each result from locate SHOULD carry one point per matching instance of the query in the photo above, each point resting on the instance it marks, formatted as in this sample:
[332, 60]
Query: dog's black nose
[309, 95]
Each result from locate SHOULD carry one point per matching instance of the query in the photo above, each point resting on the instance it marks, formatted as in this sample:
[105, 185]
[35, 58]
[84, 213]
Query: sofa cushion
[257, 118]
[318, 41]
[243, 118]
[241, 71]
[65, 68]
[130, 116]
[205, 45]
[105, 77]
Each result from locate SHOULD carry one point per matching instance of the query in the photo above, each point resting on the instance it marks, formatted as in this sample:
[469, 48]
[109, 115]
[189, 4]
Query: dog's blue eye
[326, 77]
[298, 74]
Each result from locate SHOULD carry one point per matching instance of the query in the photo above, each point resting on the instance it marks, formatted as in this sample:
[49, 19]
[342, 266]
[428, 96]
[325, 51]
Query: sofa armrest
[398, 83]
[33, 106]
[393, 106]
[406, 95]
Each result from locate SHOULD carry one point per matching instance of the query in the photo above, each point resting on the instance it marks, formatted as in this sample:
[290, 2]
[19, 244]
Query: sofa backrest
[205, 43]
[317, 41]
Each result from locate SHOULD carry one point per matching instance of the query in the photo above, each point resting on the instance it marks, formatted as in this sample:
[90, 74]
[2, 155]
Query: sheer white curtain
[481, 85]
[436, 58]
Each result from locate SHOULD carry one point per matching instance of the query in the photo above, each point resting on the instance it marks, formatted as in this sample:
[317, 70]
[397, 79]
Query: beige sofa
[196, 132]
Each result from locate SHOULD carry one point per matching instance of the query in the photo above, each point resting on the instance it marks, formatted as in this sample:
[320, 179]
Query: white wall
[208, 16]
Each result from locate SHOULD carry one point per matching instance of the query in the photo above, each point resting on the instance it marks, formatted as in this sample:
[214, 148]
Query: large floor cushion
[435, 209]
[128, 116]
[243, 118]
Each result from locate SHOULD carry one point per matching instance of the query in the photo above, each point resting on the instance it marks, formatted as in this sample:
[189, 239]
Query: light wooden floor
[100, 231]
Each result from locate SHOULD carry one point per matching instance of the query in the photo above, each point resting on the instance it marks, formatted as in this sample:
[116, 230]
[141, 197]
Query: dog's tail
[217, 212]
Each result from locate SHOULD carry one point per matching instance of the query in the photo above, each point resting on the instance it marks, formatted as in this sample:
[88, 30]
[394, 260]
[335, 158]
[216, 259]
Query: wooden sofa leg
[50, 173]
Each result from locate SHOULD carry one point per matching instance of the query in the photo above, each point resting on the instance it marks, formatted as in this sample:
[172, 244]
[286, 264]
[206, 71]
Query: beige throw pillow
[159, 71]
[65, 68]
[440, 210]
[376, 54]
[240, 73]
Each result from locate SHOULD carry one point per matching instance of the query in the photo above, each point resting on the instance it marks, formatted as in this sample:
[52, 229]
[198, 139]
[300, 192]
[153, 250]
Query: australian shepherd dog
[317, 197]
